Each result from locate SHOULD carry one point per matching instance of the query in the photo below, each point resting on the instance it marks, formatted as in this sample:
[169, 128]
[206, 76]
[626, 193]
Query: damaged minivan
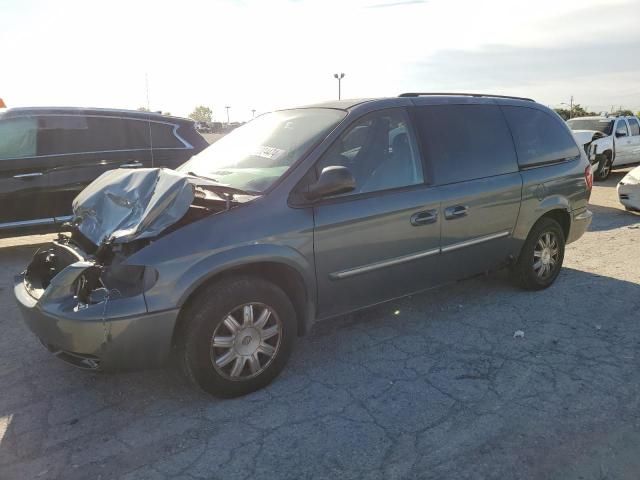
[302, 215]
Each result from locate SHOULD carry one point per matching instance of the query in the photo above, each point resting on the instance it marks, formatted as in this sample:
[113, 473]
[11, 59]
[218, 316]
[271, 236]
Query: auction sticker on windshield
[272, 153]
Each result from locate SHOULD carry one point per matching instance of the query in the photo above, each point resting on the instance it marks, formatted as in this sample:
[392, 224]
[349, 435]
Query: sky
[264, 55]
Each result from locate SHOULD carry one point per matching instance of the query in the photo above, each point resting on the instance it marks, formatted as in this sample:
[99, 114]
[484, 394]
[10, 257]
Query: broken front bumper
[115, 333]
[629, 195]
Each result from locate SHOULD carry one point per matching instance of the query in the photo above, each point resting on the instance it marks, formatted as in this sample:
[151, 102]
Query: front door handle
[131, 165]
[456, 211]
[424, 218]
[28, 175]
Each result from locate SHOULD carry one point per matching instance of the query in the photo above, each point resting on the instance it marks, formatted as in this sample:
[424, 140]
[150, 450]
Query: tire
[604, 168]
[525, 273]
[226, 366]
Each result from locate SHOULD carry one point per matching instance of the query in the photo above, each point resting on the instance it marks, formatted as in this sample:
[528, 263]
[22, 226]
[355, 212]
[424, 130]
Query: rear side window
[539, 137]
[634, 126]
[79, 134]
[465, 142]
[18, 137]
[162, 136]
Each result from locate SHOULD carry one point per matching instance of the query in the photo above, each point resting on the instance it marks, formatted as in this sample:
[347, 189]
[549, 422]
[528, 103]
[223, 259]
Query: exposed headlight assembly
[97, 283]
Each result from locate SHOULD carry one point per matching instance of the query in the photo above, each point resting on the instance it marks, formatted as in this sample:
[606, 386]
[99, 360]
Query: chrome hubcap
[546, 255]
[245, 343]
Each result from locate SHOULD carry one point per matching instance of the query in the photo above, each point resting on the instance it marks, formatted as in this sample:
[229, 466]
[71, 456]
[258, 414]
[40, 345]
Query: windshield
[603, 125]
[255, 155]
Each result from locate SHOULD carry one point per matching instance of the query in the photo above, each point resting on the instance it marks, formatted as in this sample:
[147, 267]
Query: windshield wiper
[198, 175]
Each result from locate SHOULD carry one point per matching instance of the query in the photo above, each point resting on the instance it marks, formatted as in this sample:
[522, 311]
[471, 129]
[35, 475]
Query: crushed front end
[92, 314]
[79, 295]
[82, 296]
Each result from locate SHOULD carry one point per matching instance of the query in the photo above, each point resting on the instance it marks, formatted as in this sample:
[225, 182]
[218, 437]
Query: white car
[629, 190]
[609, 141]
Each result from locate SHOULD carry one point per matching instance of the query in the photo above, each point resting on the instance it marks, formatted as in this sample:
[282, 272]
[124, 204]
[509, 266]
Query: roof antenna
[146, 82]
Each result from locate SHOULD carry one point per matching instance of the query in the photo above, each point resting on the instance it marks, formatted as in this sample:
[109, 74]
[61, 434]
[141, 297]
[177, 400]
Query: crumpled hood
[127, 204]
[585, 136]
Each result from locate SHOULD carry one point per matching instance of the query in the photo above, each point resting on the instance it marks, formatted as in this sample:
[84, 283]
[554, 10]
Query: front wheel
[541, 257]
[239, 335]
[604, 168]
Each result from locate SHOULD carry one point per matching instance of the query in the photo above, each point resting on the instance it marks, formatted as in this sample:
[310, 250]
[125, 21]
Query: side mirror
[621, 134]
[333, 181]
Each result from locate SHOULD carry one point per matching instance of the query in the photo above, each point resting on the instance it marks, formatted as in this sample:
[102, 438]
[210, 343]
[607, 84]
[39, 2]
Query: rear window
[603, 125]
[18, 137]
[539, 137]
[634, 126]
[465, 142]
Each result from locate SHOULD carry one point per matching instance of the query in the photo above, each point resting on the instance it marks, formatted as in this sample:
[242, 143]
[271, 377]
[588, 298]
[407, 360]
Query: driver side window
[379, 150]
[621, 128]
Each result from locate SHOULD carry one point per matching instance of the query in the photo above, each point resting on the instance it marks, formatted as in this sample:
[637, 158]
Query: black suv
[48, 156]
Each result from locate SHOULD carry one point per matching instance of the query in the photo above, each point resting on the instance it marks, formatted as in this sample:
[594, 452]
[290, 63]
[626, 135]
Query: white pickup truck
[610, 141]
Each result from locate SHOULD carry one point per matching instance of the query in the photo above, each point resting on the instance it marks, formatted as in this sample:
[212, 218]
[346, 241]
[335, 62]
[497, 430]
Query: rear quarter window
[465, 142]
[634, 126]
[163, 136]
[18, 137]
[539, 137]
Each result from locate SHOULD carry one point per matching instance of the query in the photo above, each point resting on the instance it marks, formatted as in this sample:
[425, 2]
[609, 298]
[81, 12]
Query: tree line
[579, 111]
[205, 114]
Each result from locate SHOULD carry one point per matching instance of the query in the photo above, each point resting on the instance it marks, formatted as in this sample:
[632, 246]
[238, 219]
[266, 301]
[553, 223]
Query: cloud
[265, 55]
[508, 66]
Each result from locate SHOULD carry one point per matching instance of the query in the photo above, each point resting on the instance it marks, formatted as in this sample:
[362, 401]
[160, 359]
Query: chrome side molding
[475, 241]
[415, 256]
[27, 223]
[382, 264]
[34, 223]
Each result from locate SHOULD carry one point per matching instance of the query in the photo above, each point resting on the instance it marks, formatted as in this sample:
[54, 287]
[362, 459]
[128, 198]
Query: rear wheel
[541, 257]
[239, 335]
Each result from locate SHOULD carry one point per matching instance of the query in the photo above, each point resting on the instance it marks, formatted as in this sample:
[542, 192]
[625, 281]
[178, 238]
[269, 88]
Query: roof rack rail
[425, 94]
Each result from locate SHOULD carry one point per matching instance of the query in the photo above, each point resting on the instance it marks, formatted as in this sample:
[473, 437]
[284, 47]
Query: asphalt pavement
[434, 386]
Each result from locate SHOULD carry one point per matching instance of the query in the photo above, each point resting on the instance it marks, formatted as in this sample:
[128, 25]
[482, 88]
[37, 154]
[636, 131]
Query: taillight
[588, 177]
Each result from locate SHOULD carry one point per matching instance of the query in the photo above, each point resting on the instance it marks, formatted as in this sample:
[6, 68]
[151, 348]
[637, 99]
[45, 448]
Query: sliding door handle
[28, 175]
[456, 211]
[424, 218]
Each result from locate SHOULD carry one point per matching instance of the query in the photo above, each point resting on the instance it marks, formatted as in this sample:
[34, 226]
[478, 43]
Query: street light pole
[228, 122]
[339, 77]
[253, 113]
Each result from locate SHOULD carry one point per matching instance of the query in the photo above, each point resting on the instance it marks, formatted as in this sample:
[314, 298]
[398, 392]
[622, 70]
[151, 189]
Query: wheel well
[284, 276]
[562, 217]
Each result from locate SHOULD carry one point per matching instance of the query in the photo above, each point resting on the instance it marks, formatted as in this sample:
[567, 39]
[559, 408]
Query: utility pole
[339, 77]
[146, 85]
[228, 122]
[571, 107]
[253, 113]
